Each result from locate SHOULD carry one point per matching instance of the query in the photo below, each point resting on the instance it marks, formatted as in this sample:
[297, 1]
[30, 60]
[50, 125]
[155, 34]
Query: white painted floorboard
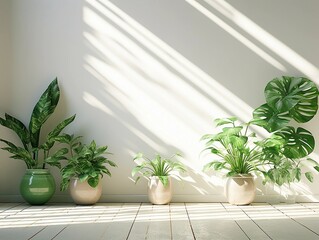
[176, 221]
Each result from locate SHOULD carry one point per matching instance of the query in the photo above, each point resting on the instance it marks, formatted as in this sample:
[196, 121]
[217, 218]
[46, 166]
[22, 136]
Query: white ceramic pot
[83, 194]
[240, 189]
[157, 193]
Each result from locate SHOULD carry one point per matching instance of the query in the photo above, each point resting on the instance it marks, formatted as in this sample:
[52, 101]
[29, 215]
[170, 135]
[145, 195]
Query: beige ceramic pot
[83, 194]
[240, 189]
[157, 193]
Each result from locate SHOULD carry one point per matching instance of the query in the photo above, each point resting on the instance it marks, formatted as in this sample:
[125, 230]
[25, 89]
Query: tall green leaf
[18, 127]
[52, 136]
[19, 153]
[42, 111]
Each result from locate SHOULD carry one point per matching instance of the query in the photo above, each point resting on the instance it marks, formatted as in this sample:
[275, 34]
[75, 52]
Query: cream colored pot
[240, 189]
[83, 194]
[157, 193]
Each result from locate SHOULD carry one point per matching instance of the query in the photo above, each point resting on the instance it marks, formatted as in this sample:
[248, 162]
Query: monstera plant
[37, 185]
[287, 99]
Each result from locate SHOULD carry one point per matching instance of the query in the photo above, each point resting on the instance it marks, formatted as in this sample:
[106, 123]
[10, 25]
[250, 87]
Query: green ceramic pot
[37, 186]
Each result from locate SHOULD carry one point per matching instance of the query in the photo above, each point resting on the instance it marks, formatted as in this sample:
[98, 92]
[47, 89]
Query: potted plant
[158, 171]
[37, 185]
[84, 169]
[238, 155]
[288, 98]
[279, 156]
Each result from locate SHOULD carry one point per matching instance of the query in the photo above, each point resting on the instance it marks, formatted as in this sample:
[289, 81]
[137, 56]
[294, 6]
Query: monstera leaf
[266, 117]
[298, 96]
[287, 98]
[299, 142]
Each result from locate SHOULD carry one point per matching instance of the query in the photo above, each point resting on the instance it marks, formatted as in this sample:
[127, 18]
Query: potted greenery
[158, 171]
[238, 155]
[279, 156]
[37, 185]
[84, 169]
[288, 98]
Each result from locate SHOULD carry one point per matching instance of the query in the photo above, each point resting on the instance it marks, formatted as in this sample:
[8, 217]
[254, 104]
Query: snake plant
[34, 153]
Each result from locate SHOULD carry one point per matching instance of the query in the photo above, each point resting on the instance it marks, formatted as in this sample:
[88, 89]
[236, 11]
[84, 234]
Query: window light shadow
[151, 92]
[52, 215]
[261, 35]
[123, 74]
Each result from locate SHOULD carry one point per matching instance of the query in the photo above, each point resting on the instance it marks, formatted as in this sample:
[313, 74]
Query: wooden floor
[139, 221]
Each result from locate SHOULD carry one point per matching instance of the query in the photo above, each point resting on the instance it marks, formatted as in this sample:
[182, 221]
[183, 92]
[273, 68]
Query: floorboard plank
[211, 221]
[88, 221]
[19, 233]
[245, 223]
[181, 228]
[277, 225]
[48, 232]
[304, 216]
[177, 221]
[120, 226]
[152, 222]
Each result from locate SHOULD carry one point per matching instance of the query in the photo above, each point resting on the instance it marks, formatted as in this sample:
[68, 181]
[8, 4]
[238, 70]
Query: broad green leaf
[223, 121]
[18, 127]
[56, 131]
[42, 111]
[19, 153]
[300, 142]
[269, 119]
[93, 181]
[83, 177]
[297, 95]
[230, 131]
[238, 142]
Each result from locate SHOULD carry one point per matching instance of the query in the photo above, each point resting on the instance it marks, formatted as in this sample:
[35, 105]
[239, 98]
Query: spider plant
[158, 166]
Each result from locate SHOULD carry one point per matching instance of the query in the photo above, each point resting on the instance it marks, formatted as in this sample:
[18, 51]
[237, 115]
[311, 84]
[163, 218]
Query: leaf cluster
[32, 152]
[280, 156]
[86, 162]
[158, 166]
[288, 98]
[234, 147]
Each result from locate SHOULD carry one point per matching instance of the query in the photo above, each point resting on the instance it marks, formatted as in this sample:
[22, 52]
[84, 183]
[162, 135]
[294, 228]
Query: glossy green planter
[37, 186]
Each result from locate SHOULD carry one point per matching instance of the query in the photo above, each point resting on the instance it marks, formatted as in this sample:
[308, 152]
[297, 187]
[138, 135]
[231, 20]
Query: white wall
[5, 54]
[7, 167]
[151, 75]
